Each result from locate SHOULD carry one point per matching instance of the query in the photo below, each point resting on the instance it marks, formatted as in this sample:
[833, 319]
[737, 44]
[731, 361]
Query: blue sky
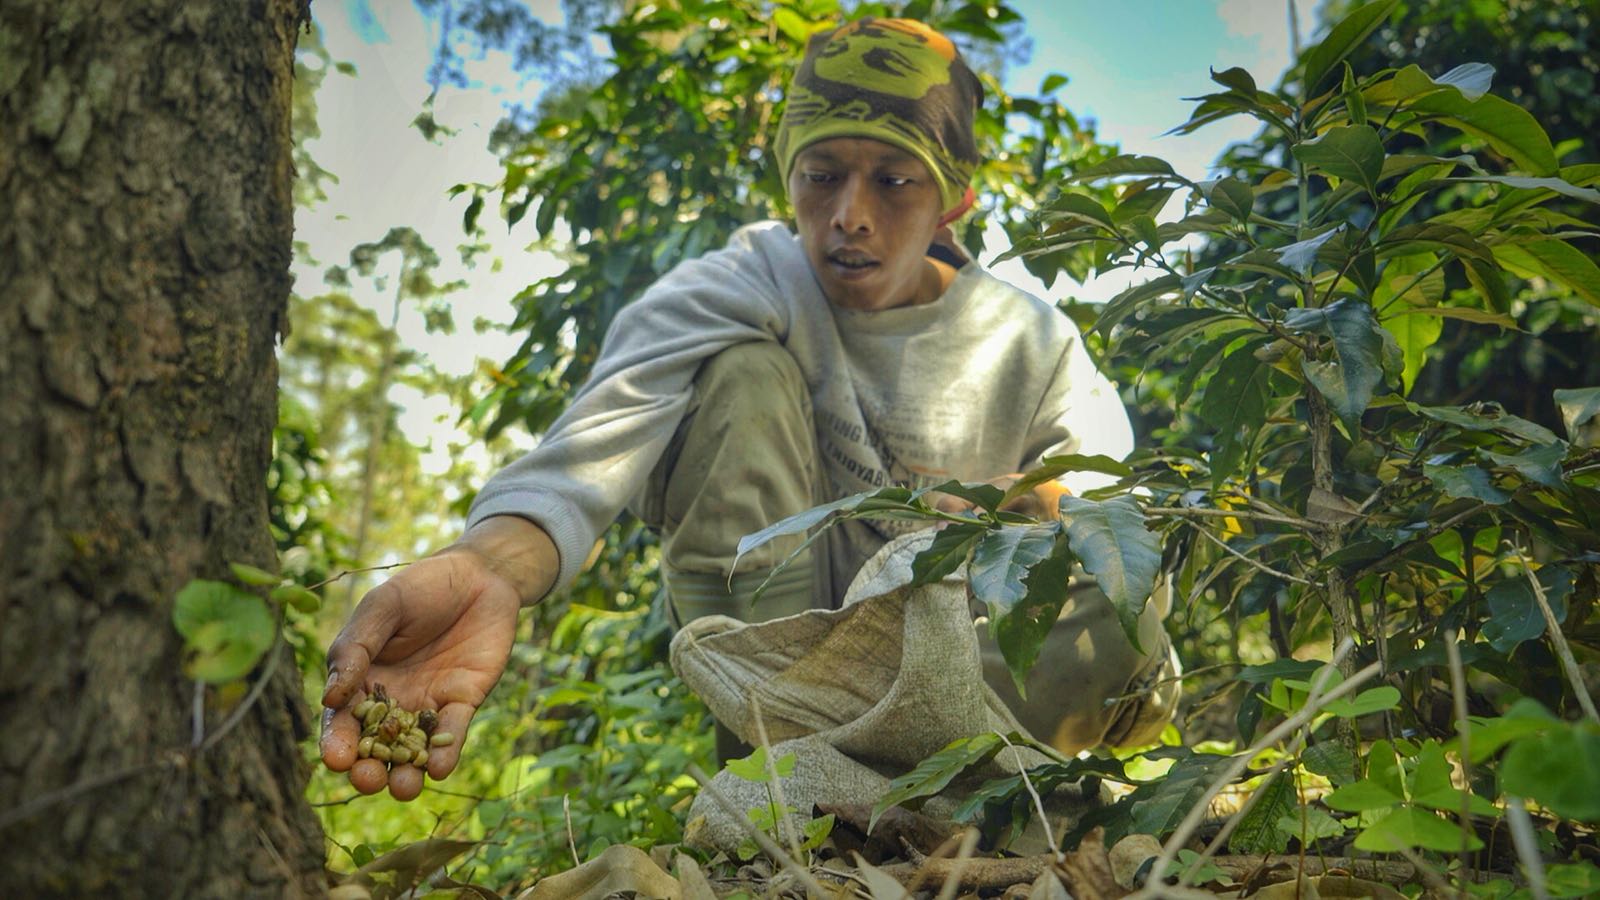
[1128, 62]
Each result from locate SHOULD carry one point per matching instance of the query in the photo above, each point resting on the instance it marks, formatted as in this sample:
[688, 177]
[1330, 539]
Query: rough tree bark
[144, 253]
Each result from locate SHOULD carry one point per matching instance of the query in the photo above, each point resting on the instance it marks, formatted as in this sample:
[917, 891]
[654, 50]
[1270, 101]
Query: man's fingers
[369, 775]
[340, 733]
[405, 782]
[359, 642]
[453, 719]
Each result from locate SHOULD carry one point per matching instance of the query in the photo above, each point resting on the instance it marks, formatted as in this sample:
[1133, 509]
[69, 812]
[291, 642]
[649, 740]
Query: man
[787, 370]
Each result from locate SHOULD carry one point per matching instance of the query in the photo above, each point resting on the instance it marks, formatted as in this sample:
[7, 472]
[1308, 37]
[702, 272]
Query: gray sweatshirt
[984, 381]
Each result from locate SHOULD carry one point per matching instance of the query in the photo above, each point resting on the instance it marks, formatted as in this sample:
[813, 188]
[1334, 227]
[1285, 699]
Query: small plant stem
[197, 715]
[1038, 804]
[1329, 541]
[767, 844]
[1253, 562]
[1458, 686]
[774, 785]
[1413, 283]
[1423, 538]
[1563, 650]
[1428, 874]
[1522, 838]
[1182, 512]
[572, 843]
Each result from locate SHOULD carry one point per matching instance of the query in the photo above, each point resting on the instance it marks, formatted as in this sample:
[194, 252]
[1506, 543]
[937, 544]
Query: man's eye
[818, 177]
[895, 181]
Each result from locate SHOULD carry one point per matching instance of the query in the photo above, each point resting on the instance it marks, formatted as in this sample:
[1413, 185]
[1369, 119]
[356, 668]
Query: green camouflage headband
[892, 80]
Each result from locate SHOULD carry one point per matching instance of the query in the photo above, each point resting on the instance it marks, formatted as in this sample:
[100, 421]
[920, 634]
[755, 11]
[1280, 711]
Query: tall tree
[145, 163]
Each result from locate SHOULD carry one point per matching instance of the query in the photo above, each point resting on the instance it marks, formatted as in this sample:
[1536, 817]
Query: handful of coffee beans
[395, 735]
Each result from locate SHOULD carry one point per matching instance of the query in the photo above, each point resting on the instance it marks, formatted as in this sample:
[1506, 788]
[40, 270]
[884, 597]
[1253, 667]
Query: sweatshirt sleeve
[600, 452]
[1080, 412]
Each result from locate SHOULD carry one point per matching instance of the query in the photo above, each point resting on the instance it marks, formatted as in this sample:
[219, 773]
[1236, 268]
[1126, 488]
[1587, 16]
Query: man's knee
[751, 380]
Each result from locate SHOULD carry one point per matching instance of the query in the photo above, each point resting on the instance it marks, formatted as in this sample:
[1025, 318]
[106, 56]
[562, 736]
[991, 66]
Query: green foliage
[226, 630]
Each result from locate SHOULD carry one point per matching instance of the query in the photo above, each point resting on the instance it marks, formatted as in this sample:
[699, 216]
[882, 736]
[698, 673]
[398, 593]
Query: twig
[1458, 686]
[1171, 679]
[1428, 874]
[767, 844]
[197, 715]
[969, 843]
[572, 842]
[1197, 813]
[1251, 515]
[777, 785]
[1253, 562]
[1563, 649]
[1038, 804]
[347, 572]
[1527, 845]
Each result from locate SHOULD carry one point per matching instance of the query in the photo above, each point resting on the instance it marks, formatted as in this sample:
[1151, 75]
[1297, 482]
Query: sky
[1129, 63]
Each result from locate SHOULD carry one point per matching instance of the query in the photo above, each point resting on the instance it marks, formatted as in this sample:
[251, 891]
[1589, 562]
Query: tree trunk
[144, 275]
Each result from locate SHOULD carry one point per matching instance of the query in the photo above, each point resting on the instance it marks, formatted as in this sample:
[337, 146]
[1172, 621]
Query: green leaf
[1465, 314]
[1579, 407]
[935, 773]
[1367, 702]
[1539, 464]
[1237, 79]
[1020, 632]
[250, 575]
[1465, 483]
[1408, 827]
[1555, 260]
[1558, 185]
[1110, 538]
[1407, 240]
[1560, 769]
[1301, 255]
[1053, 82]
[1052, 467]
[1332, 760]
[1126, 164]
[226, 630]
[1233, 197]
[1361, 796]
[1258, 831]
[1320, 60]
[1349, 152]
[816, 831]
[1572, 880]
[1235, 404]
[1432, 786]
[793, 26]
[1486, 417]
[1312, 823]
[294, 595]
[946, 554]
[1414, 334]
[1350, 378]
[1514, 614]
[754, 767]
[1001, 560]
[800, 523]
[1186, 783]
[1082, 208]
[1524, 717]
[1507, 127]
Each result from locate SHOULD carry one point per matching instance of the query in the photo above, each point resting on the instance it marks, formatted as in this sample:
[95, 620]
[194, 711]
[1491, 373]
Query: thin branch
[1253, 562]
[767, 844]
[1458, 686]
[969, 843]
[1249, 515]
[1563, 649]
[777, 785]
[1527, 844]
[572, 842]
[1038, 804]
[348, 572]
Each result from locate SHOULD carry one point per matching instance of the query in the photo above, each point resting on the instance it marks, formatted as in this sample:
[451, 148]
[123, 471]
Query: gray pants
[745, 457]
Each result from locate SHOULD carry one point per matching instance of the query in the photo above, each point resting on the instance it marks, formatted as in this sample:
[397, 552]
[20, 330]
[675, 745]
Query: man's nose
[852, 207]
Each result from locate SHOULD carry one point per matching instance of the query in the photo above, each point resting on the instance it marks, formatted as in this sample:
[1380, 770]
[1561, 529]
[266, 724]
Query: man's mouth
[852, 260]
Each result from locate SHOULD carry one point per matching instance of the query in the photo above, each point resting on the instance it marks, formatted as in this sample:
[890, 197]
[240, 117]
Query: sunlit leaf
[1408, 828]
[1350, 153]
[1320, 60]
[935, 773]
[226, 630]
[1559, 769]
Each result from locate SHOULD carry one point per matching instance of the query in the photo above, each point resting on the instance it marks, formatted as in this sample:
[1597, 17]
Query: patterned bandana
[892, 80]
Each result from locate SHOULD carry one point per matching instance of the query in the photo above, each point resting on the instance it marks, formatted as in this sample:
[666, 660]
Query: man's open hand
[437, 637]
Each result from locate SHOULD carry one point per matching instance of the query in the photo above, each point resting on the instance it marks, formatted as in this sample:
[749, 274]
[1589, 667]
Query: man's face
[866, 212]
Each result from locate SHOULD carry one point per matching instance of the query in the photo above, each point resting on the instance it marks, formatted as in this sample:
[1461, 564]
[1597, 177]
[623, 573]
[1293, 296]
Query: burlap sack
[860, 694]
